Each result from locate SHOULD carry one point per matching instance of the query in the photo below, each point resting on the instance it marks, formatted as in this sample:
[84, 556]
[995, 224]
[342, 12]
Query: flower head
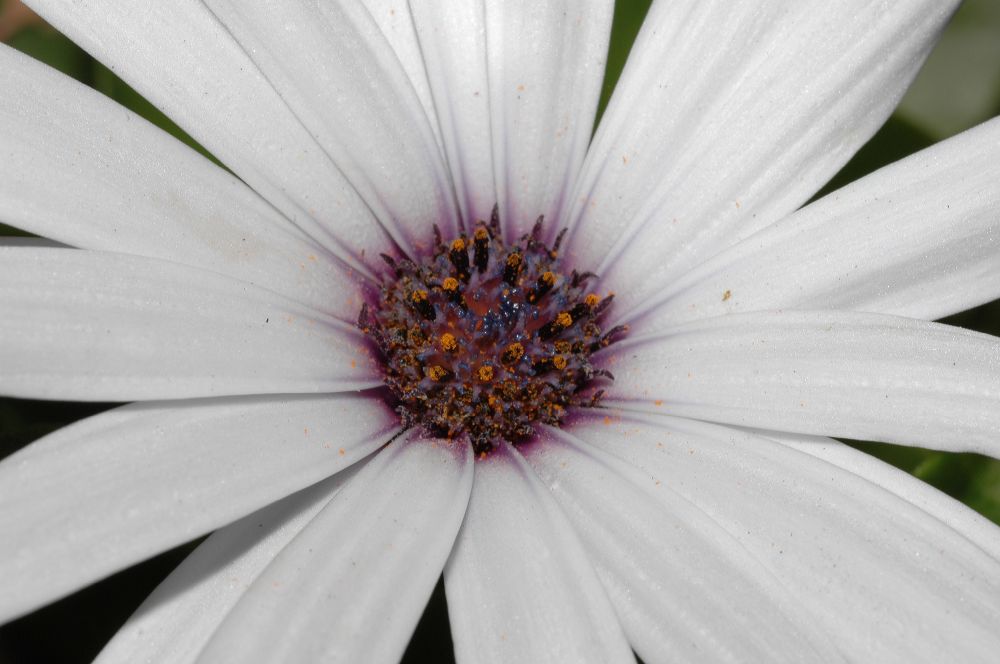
[694, 510]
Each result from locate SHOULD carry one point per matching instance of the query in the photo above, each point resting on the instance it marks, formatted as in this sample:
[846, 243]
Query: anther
[459, 256]
[551, 329]
[512, 353]
[559, 362]
[437, 373]
[485, 373]
[481, 249]
[513, 268]
[543, 285]
[423, 305]
[449, 343]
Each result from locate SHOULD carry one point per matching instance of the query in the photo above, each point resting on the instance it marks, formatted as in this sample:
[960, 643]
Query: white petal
[974, 526]
[856, 375]
[519, 586]
[177, 620]
[516, 87]
[684, 589]
[545, 65]
[453, 43]
[919, 238]
[80, 169]
[351, 586]
[332, 65]
[94, 326]
[119, 487]
[181, 58]
[885, 580]
[729, 115]
[395, 20]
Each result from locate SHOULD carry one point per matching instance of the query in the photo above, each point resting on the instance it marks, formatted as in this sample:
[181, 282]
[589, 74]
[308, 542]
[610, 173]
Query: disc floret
[486, 340]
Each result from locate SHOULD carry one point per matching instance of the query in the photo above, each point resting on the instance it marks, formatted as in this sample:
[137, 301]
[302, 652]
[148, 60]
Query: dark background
[959, 87]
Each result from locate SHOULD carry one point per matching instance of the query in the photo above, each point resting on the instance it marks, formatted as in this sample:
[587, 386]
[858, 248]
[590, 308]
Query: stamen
[422, 304]
[459, 256]
[481, 249]
[448, 342]
[512, 268]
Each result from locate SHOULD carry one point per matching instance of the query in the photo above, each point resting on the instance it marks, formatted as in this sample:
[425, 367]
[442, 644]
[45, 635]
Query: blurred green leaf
[971, 478]
[959, 86]
[628, 18]
[896, 139]
[45, 44]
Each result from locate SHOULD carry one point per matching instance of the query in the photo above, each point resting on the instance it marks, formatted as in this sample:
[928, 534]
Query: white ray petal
[395, 20]
[82, 170]
[116, 488]
[887, 581]
[332, 65]
[857, 375]
[729, 115]
[95, 326]
[519, 586]
[974, 526]
[919, 238]
[545, 65]
[351, 586]
[177, 620]
[181, 58]
[453, 43]
[683, 588]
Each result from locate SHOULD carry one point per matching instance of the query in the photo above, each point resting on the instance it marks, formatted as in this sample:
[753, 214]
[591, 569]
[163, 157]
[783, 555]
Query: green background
[958, 88]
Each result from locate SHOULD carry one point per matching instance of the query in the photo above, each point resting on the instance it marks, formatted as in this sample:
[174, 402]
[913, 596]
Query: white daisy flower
[695, 511]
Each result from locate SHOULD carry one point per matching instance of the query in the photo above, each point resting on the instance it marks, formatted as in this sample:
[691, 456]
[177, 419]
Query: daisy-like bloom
[349, 426]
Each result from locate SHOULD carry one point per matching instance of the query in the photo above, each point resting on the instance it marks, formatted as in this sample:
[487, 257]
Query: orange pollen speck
[448, 342]
[514, 260]
[513, 353]
[591, 300]
[436, 373]
[549, 278]
[458, 244]
[559, 362]
[486, 373]
[564, 319]
[419, 296]
[482, 234]
[450, 284]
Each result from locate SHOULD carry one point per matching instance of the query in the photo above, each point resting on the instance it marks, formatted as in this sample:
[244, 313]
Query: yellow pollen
[591, 300]
[458, 245]
[548, 277]
[486, 373]
[563, 346]
[450, 284]
[559, 362]
[436, 373]
[448, 342]
[481, 233]
[513, 353]
[514, 260]
[564, 319]
[419, 296]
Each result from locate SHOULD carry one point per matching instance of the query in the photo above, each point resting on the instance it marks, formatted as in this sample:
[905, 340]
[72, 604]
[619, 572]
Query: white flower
[698, 517]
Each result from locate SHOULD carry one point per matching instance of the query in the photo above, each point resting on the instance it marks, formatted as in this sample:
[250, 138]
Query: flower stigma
[483, 340]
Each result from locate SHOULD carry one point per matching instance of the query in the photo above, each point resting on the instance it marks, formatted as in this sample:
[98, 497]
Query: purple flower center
[485, 340]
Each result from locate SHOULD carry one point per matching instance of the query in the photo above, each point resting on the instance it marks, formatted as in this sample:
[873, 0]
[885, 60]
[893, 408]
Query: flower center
[485, 340]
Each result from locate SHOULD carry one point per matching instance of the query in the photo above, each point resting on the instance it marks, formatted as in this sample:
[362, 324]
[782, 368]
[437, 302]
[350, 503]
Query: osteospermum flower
[593, 475]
